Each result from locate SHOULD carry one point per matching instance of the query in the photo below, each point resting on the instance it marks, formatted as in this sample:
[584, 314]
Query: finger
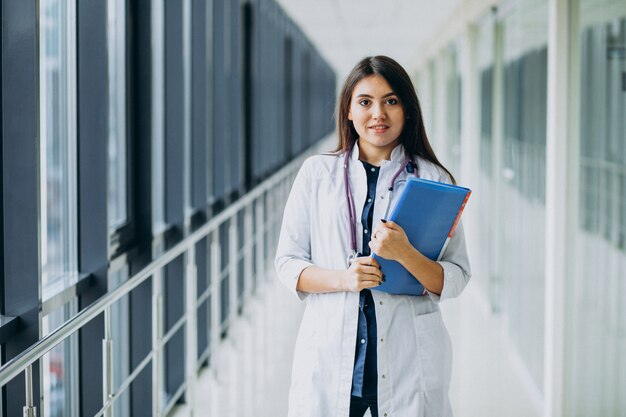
[391, 225]
[364, 260]
[369, 284]
[367, 272]
[381, 234]
[374, 262]
[373, 271]
[372, 277]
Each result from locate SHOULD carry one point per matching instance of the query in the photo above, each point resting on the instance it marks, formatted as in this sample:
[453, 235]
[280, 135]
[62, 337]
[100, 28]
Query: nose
[378, 111]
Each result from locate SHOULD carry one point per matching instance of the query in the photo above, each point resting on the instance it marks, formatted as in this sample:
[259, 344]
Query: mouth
[379, 128]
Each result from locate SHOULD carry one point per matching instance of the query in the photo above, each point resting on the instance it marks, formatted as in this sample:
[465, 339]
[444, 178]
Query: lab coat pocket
[435, 351]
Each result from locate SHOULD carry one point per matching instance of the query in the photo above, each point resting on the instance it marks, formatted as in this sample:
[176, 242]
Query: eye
[364, 102]
[392, 101]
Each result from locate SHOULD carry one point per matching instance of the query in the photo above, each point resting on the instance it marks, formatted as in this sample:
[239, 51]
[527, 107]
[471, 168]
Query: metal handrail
[21, 362]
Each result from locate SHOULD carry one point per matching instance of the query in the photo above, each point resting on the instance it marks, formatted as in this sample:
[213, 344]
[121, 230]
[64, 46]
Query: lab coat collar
[397, 155]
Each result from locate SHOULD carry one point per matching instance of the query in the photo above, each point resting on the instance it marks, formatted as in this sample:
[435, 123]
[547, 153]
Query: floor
[252, 372]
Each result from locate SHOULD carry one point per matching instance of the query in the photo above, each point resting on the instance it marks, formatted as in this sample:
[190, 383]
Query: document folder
[428, 211]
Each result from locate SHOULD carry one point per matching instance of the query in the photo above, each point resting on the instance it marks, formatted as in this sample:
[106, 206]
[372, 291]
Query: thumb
[361, 260]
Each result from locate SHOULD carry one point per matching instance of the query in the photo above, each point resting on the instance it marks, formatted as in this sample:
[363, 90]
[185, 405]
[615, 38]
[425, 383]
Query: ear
[350, 115]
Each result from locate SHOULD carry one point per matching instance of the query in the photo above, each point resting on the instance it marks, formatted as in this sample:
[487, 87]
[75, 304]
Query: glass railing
[240, 241]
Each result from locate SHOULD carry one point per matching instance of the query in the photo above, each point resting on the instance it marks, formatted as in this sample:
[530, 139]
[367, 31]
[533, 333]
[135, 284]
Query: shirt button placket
[383, 376]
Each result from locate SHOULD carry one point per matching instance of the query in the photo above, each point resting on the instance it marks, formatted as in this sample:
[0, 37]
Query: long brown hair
[413, 136]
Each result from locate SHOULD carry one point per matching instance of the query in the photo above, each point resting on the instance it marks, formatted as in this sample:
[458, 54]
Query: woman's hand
[363, 273]
[389, 241]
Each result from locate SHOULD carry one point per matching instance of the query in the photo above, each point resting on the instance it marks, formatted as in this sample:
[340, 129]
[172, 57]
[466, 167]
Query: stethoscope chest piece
[350, 258]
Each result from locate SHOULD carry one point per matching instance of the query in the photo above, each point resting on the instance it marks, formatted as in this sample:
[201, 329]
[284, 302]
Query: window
[487, 183]
[522, 192]
[58, 145]
[598, 330]
[117, 148]
[453, 109]
[58, 195]
[602, 129]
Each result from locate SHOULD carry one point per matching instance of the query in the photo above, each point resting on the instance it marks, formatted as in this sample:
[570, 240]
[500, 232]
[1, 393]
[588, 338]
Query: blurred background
[148, 147]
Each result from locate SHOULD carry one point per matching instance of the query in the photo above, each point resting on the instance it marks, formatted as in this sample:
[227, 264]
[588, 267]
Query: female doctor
[358, 348]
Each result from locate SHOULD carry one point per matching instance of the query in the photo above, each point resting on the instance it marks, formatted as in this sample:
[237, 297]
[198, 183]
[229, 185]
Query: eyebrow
[385, 96]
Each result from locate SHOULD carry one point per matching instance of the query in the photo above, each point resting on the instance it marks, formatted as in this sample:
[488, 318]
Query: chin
[382, 143]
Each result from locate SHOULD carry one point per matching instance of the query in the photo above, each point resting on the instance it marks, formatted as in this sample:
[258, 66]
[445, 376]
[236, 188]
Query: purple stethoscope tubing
[351, 206]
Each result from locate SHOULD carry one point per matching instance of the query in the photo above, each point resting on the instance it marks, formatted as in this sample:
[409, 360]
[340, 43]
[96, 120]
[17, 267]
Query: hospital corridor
[153, 264]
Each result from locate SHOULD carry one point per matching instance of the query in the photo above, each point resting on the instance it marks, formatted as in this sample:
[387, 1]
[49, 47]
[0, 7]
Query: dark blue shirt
[365, 376]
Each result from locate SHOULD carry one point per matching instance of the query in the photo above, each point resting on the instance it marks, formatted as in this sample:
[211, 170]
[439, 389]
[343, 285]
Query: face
[377, 114]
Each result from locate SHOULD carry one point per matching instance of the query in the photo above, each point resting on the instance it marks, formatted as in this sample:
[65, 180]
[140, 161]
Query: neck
[373, 154]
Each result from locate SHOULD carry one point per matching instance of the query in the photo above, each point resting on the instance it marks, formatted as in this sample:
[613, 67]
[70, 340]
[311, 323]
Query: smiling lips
[380, 128]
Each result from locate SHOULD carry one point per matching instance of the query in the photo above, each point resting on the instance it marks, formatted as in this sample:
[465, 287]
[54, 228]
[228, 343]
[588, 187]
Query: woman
[359, 348]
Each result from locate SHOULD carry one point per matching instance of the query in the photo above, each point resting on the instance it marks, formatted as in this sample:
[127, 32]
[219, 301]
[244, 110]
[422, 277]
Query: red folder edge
[456, 221]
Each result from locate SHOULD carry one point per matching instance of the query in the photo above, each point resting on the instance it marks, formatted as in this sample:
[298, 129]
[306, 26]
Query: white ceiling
[345, 31]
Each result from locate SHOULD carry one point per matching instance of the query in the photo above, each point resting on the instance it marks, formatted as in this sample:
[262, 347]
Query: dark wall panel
[140, 133]
[235, 97]
[92, 86]
[20, 186]
[199, 104]
[220, 101]
[174, 112]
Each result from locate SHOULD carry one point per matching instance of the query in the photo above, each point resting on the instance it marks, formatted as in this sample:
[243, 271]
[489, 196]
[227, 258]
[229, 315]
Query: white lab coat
[413, 345]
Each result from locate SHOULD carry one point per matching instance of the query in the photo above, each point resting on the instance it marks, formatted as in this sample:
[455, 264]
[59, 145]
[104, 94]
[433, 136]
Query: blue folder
[428, 211]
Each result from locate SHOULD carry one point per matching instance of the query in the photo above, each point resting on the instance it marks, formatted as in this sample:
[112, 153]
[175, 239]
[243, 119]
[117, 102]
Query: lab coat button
[381, 339]
[381, 303]
[385, 414]
[384, 376]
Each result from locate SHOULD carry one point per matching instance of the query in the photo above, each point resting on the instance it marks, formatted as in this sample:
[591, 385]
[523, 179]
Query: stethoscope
[407, 163]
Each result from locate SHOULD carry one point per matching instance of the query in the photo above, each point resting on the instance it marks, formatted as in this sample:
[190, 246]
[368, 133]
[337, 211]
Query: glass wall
[120, 336]
[595, 368]
[60, 375]
[453, 109]
[484, 271]
[522, 199]
[430, 118]
[117, 183]
[439, 90]
[511, 47]
[58, 197]
[58, 144]
[108, 145]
